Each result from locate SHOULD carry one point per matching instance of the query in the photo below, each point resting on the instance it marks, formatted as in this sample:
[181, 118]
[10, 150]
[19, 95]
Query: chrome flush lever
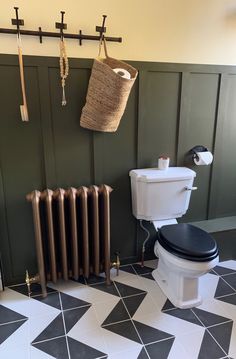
[190, 188]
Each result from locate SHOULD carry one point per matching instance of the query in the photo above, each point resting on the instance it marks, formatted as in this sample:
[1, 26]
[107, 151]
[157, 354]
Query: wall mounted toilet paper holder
[199, 148]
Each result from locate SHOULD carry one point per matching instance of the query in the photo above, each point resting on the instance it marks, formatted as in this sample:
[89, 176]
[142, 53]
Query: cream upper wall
[186, 31]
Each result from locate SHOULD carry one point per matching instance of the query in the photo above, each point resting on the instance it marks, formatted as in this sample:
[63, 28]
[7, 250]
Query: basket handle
[102, 41]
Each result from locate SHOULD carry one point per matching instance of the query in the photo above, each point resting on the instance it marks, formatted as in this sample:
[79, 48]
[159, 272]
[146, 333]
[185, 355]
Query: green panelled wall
[172, 108]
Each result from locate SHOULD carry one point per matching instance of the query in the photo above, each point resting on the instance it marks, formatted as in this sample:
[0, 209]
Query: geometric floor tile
[125, 329]
[117, 314]
[51, 299]
[109, 289]
[208, 319]
[6, 330]
[209, 348]
[57, 347]
[126, 290]
[185, 314]
[231, 280]
[149, 334]
[231, 299]
[35, 289]
[72, 316]
[143, 354]
[222, 334]
[223, 289]
[160, 349]
[222, 270]
[54, 329]
[7, 315]
[80, 350]
[131, 318]
[69, 302]
[133, 303]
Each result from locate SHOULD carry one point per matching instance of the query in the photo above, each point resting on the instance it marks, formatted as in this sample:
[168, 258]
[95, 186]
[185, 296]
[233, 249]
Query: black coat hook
[61, 25]
[18, 22]
[102, 29]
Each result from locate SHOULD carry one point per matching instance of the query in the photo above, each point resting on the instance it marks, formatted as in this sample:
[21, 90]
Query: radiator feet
[116, 264]
[29, 280]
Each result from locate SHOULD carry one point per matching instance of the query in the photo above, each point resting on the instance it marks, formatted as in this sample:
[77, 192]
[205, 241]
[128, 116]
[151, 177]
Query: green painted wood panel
[197, 127]
[223, 193]
[72, 144]
[115, 156]
[22, 167]
[158, 116]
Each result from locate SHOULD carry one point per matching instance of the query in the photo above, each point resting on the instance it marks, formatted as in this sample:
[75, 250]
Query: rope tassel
[64, 69]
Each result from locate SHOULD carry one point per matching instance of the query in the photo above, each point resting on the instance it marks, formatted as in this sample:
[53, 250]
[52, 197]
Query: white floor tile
[38, 354]
[103, 309]
[231, 264]
[93, 338]
[87, 323]
[191, 343]
[127, 354]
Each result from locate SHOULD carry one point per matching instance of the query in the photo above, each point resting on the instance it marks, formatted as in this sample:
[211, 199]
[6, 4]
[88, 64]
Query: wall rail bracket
[20, 22]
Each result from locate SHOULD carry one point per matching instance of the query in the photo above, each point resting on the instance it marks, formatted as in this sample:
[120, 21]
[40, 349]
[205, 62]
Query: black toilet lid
[188, 242]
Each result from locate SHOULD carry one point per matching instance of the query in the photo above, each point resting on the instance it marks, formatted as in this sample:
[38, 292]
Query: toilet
[185, 252]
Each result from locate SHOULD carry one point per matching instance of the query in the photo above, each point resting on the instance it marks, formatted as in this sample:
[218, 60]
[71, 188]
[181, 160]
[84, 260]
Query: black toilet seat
[188, 242]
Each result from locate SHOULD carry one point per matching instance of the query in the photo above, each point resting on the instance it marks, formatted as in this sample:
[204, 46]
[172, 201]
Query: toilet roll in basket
[107, 94]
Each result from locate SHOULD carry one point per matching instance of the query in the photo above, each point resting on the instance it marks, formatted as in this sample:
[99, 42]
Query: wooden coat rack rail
[62, 26]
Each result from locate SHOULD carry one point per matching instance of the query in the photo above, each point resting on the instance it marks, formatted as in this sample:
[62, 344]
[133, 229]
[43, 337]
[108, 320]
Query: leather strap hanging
[23, 108]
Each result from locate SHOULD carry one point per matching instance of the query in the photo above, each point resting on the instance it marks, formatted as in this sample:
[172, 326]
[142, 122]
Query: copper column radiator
[72, 233]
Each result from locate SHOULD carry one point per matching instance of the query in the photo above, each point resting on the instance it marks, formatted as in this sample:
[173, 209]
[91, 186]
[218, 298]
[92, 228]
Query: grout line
[161, 340]
[133, 323]
[64, 325]
[47, 340]
[120, 321]
[227, 274]
[82, 306]
[15, 321]
[215, 325]
[226, 295]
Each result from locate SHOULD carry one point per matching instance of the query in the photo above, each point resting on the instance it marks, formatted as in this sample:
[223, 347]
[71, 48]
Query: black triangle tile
[208, 319]
[54, 329]
[51, 299]
[148, 276]
[141, 270]
[109, 289]
[126, 290]
[209, 348]
[223, 289]
[6, 330]
[69, 302]
[149, 334]
[57, 348]
[231, 299]
[80, 350]
[167, 306]
[143, 354]
[128, 269]
[231, 280]
[35, 289]
[222, 334]
[72, 316]
[125, 329]
[223, 271]
[94, 279]
[133, 303]
[118, 314]
[7, 315]
[185, 314]
[160, 349]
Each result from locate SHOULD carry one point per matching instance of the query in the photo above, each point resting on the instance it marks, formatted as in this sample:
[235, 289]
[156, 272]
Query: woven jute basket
[107, 94]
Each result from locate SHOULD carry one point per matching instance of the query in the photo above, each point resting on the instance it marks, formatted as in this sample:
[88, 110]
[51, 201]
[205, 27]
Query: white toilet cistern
[185, 252]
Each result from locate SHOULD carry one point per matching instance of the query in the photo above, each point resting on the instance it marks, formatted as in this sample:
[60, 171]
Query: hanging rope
[64, 68]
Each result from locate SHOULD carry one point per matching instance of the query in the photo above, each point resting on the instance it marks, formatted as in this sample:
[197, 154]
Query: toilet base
[188, 287]
[178, 278]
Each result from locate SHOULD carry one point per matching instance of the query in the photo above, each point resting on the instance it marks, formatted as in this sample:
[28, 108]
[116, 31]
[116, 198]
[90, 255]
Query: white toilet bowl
[178, 277]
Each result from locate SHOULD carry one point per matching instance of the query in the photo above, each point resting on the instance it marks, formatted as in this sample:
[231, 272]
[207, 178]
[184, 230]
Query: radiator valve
[29, 280]
[116, 264]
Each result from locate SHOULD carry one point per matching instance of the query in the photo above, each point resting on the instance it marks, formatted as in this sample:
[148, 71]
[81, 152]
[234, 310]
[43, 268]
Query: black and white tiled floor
[129, 319]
